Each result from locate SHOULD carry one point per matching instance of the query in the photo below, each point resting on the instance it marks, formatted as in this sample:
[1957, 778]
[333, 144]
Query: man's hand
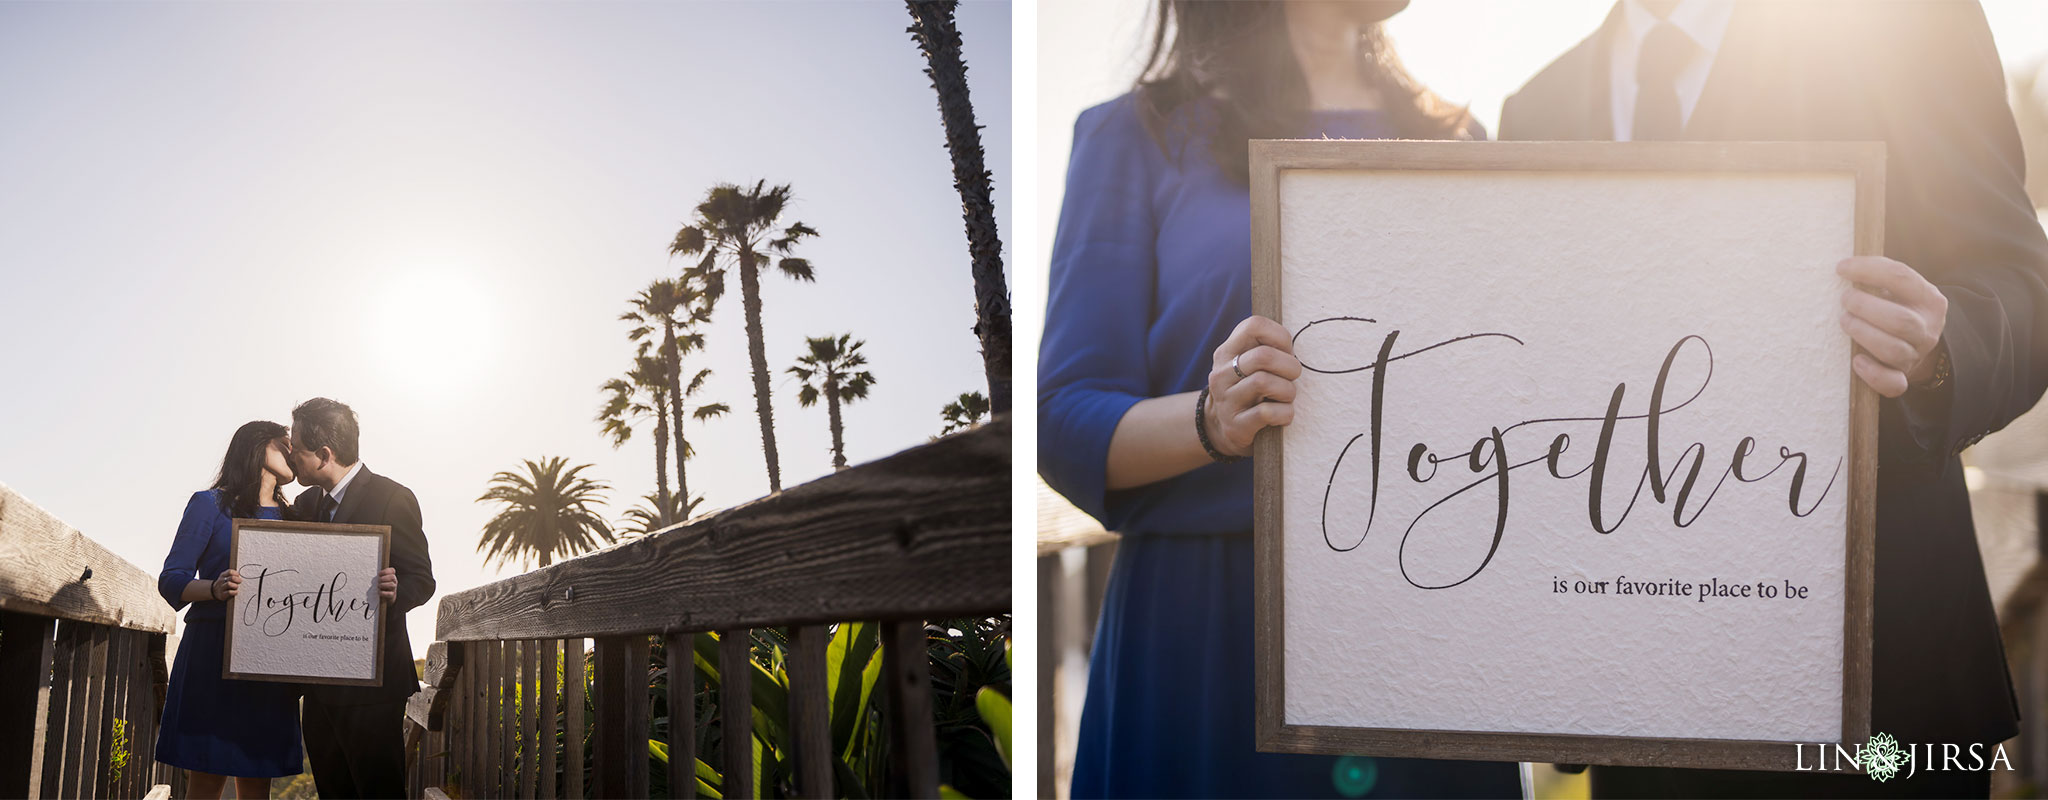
[387, 584]
[1895, 317]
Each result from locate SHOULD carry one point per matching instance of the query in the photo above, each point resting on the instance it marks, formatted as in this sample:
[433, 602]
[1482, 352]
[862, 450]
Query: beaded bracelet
[1202, 430]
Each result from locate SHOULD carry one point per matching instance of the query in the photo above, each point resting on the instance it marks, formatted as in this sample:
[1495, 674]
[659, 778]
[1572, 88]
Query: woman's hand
[387, 584]
[1239, 407]
[226, 585]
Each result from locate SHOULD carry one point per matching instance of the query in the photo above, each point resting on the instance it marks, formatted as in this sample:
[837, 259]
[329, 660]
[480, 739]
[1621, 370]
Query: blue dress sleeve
[1092, 364]
[195, 530]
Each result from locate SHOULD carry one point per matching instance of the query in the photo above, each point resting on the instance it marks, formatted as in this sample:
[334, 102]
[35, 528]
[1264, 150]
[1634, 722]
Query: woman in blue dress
[214, 727]
[1154, 377]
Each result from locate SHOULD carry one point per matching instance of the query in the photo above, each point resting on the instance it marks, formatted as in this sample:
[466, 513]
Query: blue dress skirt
[247, 729]
[244, 729]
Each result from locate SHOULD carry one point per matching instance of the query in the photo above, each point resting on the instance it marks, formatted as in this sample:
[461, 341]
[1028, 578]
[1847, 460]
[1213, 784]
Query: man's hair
[321, 422]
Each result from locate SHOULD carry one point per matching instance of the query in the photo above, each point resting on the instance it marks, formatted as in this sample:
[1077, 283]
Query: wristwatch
[1939, 377]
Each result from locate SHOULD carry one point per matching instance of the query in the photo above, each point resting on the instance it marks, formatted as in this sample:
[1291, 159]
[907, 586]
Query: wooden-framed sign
[1578, 471]
[308, 610]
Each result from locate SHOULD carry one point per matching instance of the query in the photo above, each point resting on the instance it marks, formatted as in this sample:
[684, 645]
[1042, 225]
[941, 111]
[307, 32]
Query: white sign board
[1579, 471]
[308, 610]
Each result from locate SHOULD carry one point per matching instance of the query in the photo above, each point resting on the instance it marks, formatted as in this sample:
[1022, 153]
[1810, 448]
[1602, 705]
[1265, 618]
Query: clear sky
[436, 213]
[1474, 52]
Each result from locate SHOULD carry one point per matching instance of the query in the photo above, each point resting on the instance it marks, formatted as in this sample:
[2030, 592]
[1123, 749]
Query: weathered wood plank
[472, 717]
[809, 723]
[639, 709]
[93, 717]
[678, 649]
[529, 718]
[924, 533]
[414, 735]
[436, 794]
[912, 743]
[43, 571]
[115, 703]
[161, 791]
[27, 645]
[573, 728]
[550, 705]
[501, 718]
[611, 737]
[443, 662]
[736, 711]
[67, 696]
[419, 708]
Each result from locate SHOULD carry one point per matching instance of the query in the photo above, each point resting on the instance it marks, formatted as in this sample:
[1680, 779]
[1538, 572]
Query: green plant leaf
[852, 665]
[995, 710]
[947, 792]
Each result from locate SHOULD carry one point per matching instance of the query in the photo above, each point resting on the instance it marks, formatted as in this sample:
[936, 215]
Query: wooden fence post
[810, 724]
[736, 711]
[620, 752]
[82, 774]
[678, 649]
[573, 727]
[529, 718]
[27, 645]
[550, 692]
[913, 746]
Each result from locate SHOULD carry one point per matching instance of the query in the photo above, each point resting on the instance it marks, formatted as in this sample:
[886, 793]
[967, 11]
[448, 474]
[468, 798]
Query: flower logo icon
[1882, 757]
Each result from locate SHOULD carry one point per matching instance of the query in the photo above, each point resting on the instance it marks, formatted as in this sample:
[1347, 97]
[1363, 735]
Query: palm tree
[964, 413]
[833, 369]
[623, 403]
[932, 27]
[548, 512]
[645, 517]
[667, 306]
[736, 226]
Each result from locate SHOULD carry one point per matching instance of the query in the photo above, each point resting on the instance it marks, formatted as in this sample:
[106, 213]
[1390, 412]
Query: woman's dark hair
[241, 471]
[1237, 56]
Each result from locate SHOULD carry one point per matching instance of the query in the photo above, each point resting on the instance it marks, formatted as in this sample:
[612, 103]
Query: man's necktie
[328, 505]
[1663, 53]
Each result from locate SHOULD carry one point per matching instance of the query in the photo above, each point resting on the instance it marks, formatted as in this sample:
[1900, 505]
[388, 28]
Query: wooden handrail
[921, 534]
[49, 569]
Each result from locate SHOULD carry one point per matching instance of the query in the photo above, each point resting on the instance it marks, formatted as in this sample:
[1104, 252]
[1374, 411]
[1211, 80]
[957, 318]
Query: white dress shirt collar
[341, 486]
[1704, 21]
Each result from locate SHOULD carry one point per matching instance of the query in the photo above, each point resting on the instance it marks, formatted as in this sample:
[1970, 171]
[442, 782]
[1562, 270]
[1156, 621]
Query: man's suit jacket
[373, 499]
[1924, 78]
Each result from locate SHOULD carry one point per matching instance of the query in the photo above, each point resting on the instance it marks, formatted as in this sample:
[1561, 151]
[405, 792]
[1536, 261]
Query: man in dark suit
[354, 734]
[1949, 325]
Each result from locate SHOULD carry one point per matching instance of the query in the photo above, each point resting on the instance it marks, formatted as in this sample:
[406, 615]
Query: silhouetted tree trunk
[838, 439]
[750, 300]
[932, 27]
[661, 458]
[673, 355]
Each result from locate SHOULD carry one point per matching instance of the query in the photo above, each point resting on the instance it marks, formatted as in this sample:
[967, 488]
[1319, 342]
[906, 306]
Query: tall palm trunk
[838, 439]
[932, 27]
[675, 408]
[750, 299]
[661, 456]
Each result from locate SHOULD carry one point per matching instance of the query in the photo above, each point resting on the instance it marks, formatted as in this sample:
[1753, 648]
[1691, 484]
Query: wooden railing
[923, 534]
[82, 671]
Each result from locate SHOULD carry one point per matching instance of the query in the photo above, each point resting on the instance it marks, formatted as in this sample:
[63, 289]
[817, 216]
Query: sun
[435, 332]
